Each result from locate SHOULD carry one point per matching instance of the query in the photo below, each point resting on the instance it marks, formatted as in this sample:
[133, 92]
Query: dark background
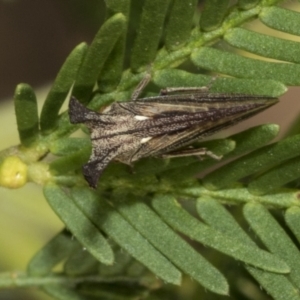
[37, 35]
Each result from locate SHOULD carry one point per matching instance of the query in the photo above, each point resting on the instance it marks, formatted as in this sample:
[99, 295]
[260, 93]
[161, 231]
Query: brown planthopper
[157, 126]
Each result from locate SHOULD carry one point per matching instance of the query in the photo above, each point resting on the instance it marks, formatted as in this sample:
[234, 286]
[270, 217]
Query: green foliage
[60, 88]
[126, 238]
[27, 114]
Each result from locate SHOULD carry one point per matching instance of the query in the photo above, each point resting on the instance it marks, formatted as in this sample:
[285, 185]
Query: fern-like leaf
[131, 227]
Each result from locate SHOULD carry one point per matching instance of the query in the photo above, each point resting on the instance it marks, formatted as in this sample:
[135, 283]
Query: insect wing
[181, 121]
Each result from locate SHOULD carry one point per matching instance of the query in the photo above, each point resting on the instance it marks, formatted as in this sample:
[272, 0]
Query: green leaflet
[172, 246]
[180, 220]
[253, 162]
[70, 162]
[149, 33]
[81, 262]
[246, 4]
[273, 47]
[112, 223]
[50, 255]
[66, 146]
[274, 238]
[276, 177]
[292, 219]
[26, 114]
[239, 66]
[96, 56]
[82, 228]
[214, 214]
[237, 194]
[213, 14]
[61, 86]
[253, 138]
[281, 19]
[113, 66]
[179, 23]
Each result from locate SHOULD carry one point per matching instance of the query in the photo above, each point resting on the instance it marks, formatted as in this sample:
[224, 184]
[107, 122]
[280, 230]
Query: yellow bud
[13, 172]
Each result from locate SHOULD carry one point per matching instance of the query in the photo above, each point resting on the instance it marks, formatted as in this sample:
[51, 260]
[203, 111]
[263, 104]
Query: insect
[157, 126]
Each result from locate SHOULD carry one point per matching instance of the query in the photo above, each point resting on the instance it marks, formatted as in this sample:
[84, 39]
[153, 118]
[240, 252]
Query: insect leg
[202, 89]
[192, 152]
[137, 91]
[171, 90]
